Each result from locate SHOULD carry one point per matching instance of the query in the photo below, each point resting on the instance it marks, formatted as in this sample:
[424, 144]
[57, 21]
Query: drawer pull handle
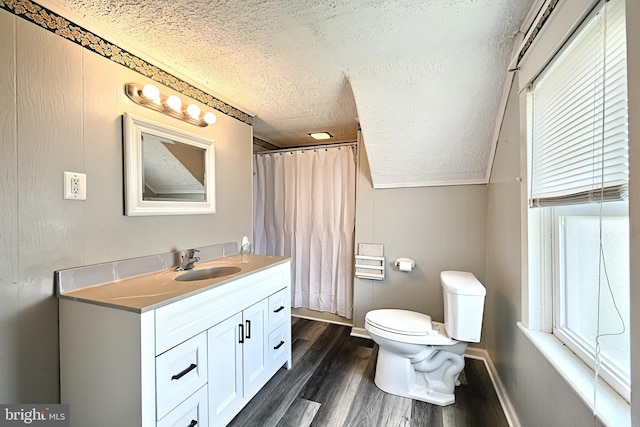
[278, 310]
[185, 372]
[279, 345]
[193, 423]
[248, 322]
[241, 330]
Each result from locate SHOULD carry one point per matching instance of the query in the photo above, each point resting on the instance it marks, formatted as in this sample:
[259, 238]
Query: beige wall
[60, 110]
[441, 228]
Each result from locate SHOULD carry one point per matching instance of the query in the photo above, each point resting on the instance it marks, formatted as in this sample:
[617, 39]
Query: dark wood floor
[331, 384]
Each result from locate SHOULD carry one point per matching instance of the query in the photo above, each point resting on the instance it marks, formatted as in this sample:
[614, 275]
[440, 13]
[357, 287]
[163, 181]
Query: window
[591, 286]
[578, 195]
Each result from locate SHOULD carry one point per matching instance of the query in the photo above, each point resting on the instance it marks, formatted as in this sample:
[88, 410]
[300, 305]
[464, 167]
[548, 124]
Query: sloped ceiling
[422, 79]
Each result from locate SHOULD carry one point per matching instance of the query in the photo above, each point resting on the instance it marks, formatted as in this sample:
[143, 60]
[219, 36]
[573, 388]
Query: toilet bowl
[419, 358]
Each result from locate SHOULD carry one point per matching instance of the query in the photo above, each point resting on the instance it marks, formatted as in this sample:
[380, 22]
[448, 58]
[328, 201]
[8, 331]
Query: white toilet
[421, 359]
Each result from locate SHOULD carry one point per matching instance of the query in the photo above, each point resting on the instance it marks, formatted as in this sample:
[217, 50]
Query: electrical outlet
[75, 186]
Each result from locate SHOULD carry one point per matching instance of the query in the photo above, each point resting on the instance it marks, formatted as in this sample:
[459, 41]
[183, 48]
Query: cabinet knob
[279, 309]
[279, 345]
[193, 423]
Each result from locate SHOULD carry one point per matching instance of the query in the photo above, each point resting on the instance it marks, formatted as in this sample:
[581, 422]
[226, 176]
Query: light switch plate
[75, 186]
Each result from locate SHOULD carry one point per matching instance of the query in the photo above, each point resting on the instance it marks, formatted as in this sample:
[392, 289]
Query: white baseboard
[320, 316]
[476, 353]
[320, 319]
[505, 402]
[360, 332]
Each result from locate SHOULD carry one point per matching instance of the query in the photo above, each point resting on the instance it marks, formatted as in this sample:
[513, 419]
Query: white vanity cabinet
[258, 337]
[195, 361]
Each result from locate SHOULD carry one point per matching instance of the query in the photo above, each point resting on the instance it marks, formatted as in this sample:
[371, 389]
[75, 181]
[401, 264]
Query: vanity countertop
[151, 291]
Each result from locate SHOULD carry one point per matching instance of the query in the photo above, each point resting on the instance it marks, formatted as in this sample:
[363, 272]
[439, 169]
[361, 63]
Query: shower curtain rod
[309, 147]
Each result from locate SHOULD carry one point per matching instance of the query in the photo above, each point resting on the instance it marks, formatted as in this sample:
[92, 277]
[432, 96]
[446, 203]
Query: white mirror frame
[133, 181]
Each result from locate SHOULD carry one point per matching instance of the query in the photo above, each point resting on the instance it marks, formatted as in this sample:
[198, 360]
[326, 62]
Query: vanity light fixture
[321, 135]
[150, 96]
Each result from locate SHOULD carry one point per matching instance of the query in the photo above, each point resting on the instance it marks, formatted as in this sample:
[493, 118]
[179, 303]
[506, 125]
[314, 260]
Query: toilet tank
[463, 305]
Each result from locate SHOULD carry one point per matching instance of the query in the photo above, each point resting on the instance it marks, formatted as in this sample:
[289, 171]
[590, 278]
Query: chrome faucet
[188, 259]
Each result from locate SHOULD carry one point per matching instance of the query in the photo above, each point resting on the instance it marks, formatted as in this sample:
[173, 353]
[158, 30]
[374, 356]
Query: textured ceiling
[423, 79]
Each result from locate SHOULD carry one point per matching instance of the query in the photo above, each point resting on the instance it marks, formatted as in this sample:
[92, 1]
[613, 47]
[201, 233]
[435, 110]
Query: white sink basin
[207, 273]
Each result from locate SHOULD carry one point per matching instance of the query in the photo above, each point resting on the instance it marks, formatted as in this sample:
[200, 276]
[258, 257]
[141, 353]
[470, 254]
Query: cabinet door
[255, 349]
[224, 350]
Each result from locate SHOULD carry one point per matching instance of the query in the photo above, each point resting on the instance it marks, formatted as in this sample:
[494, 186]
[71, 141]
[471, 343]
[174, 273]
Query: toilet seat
[403, 322]
[407, 326]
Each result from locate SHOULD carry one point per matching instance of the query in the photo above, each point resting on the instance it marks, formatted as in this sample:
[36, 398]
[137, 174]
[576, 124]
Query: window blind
[578, 114]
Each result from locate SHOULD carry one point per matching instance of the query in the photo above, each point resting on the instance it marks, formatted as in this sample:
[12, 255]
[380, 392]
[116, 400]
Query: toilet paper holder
[404, 264]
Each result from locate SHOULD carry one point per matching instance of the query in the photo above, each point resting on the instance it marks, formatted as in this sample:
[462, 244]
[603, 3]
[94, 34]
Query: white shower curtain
[304, 203]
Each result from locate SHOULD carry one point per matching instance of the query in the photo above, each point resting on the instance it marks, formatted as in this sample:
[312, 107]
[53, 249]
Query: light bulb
[210, 118]
[174, 103]
[193, 110]
[151, 92]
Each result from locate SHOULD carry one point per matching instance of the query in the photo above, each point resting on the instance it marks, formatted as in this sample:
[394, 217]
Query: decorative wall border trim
[50, 21]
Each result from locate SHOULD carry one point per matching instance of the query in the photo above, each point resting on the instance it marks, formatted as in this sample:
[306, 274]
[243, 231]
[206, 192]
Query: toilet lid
[400, 321]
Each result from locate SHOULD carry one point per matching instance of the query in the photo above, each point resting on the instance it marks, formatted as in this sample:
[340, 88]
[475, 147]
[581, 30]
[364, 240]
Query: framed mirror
[166, 171]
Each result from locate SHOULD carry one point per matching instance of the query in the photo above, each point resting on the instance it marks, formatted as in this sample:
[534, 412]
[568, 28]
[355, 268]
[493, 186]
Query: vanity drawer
[183, 319]
[180, 372]
[279, 308]
[279, 344]
[192, 412]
